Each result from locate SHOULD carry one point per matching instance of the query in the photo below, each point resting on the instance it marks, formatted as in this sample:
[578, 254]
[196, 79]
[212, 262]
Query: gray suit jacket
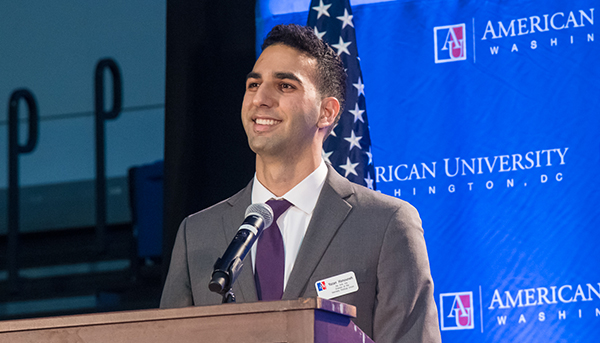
[377, 237]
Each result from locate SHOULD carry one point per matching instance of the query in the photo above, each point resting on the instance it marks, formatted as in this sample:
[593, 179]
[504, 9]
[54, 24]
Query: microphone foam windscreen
[262, 210]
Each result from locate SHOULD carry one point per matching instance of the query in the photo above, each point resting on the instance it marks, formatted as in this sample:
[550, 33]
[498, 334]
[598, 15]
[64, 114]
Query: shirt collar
[304, 195]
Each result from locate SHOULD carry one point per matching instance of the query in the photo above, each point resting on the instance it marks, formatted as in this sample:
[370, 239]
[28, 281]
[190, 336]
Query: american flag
[348, 148]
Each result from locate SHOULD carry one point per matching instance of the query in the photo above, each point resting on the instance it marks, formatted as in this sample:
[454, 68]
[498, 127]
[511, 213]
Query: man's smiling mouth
[261, 121]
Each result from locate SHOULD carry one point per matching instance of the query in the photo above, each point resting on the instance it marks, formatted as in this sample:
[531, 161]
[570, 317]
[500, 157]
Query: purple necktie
[270, 256]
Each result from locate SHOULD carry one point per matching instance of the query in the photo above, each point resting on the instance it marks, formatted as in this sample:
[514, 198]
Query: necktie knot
[278, 206]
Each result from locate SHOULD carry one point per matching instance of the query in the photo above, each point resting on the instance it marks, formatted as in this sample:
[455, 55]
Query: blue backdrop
[485, 116]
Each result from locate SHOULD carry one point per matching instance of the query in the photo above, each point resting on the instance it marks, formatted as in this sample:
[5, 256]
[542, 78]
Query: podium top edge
[176, 313]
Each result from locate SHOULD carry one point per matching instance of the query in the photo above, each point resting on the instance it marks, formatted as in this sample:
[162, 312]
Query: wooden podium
[302, 320]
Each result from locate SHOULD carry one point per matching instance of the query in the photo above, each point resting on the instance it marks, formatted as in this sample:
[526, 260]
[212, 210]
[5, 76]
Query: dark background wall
[210, 49]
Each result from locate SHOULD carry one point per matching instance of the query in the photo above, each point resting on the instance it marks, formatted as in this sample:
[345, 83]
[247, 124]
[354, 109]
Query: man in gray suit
[293, 97]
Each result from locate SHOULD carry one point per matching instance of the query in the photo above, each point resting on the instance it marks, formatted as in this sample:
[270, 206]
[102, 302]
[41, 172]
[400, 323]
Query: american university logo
[450, 43]
[456, 311]
[321, 285]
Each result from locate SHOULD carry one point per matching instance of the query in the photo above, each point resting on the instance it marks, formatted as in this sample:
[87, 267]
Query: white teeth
[260, 121]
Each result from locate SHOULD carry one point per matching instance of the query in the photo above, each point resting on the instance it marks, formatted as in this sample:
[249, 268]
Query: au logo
[450, 43]
[456, 311]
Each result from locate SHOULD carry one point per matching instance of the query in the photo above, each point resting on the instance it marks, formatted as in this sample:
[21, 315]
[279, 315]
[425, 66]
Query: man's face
[281, 106]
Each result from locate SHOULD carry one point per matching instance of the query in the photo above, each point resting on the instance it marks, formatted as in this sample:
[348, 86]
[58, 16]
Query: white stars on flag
[346, 19]
[357, 112]
[360, 86]
[349, 167]
[353, 139]
[342, 46]
[322, 9]
[320, 34]
[348, 147]
[369, 181]
[326, 155]
[332, 133]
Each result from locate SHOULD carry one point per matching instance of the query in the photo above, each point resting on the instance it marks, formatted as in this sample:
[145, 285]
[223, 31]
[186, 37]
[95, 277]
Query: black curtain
[210, 49]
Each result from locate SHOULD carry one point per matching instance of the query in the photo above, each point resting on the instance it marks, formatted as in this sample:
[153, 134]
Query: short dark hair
[331, 76]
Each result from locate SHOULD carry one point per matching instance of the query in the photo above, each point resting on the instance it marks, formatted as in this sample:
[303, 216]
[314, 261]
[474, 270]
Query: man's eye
[252, 85]
[286, 86]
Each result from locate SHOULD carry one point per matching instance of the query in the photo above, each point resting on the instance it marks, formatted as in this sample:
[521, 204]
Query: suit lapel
[244, 287]
[330, 212]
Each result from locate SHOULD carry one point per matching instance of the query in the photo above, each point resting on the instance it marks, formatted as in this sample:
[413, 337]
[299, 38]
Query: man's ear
[330, 108]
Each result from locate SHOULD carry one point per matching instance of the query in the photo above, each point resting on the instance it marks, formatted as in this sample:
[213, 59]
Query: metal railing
[101, 116]
[16, 149]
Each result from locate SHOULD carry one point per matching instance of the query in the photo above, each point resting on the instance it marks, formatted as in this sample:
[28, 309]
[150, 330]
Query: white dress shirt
[293, 222]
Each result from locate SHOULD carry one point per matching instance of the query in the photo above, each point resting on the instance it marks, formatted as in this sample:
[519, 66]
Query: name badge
[336, 286]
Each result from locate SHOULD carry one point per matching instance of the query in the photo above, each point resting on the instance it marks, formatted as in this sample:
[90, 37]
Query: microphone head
[262, 210]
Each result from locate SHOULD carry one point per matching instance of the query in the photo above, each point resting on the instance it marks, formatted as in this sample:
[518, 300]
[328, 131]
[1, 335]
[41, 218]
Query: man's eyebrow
[253, 75]
[286, 75]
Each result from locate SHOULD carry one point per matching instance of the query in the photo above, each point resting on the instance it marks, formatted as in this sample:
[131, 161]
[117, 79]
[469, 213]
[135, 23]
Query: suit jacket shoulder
[379, 238]
[201, 239]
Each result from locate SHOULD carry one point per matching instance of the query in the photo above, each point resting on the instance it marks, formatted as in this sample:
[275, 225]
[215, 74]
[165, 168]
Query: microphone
[226, 269]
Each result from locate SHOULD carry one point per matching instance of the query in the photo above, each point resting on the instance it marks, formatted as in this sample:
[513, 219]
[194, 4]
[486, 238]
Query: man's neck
[280, 176]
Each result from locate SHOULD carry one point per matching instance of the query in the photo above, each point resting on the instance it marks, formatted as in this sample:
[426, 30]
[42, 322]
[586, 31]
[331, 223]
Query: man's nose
[264, 96]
